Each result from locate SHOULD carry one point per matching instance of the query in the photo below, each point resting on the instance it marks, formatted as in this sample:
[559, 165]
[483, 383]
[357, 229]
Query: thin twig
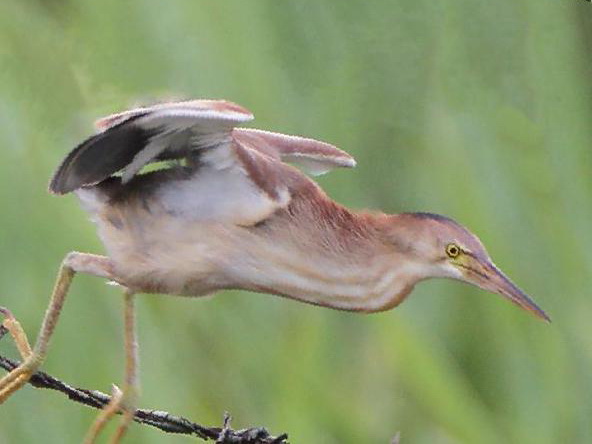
[155, 418]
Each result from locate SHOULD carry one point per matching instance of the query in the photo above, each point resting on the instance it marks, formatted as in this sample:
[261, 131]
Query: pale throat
[352, 266]
[371, 283]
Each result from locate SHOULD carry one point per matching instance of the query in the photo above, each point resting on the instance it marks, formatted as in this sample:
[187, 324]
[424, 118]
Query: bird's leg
[73, 263]
[16, 331]
[22, 343]
[131, 387]
[122, 401]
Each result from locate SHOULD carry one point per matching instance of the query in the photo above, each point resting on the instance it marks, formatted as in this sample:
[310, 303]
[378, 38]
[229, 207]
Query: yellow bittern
[229, 213]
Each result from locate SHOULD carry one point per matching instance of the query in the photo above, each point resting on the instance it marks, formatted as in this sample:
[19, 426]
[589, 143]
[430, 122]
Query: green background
[480, 110]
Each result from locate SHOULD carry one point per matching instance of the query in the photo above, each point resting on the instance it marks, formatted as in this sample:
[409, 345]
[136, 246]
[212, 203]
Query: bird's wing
[127, 141]
[312, 155]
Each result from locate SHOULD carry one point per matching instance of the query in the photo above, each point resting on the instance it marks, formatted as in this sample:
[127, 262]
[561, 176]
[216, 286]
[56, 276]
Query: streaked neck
[339, 268]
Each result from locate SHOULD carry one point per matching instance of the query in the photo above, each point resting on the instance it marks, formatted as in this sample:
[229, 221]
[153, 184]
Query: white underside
[201, 257]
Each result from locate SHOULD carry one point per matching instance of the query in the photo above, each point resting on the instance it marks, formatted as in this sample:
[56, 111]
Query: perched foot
[123, 403]
[18, 377]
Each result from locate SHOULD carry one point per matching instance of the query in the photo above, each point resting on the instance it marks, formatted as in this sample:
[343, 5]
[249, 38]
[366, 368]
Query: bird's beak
[490, 278]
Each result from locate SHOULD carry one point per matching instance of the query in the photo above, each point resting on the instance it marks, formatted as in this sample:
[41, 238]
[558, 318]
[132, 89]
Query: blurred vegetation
[479, 110]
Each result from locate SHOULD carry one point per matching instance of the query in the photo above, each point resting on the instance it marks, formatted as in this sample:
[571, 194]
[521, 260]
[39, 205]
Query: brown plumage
[237, 216]
[231, 214]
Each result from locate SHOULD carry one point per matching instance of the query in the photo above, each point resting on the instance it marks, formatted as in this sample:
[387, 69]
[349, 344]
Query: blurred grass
[475, 109]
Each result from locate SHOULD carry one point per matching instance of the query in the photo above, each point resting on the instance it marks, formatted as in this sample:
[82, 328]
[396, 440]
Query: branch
[155, 418]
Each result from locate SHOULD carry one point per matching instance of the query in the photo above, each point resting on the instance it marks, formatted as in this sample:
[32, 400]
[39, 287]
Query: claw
[116, 393]
[106, 414]
[3, 331]
[6, 312]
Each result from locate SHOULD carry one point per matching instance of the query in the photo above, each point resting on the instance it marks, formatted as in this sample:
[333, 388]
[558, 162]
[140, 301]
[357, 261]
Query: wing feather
[131, 139]
[314, 156]
[99, 156]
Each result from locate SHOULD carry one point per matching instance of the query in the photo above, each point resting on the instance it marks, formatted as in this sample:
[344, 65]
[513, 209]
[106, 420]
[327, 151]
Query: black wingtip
[99, 156]
[56, 189]
[58, 184]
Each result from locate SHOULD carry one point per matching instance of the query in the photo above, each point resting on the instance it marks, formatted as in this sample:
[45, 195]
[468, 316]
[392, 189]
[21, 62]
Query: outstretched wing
[127, 141]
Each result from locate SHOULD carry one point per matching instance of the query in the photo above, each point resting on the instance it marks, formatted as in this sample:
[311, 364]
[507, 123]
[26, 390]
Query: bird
[188, 202]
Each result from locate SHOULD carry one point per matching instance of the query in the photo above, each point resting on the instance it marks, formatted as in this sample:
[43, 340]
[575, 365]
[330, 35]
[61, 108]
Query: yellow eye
[452, 250]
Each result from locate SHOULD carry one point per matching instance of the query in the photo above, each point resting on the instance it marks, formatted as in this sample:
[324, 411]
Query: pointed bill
[498, 282]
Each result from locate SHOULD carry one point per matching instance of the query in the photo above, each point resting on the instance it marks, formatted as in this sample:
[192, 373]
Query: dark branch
[155, 418]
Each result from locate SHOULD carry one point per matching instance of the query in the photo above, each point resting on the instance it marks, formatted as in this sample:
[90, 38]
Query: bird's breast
[322, 279]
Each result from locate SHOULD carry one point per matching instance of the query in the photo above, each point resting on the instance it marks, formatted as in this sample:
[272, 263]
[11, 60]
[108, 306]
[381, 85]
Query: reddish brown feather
[293, 147]
[262, 170]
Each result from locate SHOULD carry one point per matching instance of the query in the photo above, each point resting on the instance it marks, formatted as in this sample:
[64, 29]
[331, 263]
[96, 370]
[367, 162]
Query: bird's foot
[18, 377]
[122, 402]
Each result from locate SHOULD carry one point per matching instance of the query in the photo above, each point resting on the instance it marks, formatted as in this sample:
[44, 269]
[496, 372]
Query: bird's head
[440, 247]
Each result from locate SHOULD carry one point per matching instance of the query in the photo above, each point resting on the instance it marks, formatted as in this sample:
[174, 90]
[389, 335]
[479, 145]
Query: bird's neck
[343, 264]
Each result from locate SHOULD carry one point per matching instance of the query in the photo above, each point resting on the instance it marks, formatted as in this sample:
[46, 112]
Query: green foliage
[480, 110]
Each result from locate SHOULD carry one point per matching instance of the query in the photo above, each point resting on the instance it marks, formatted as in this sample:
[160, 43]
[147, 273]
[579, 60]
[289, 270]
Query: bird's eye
[452, 250]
